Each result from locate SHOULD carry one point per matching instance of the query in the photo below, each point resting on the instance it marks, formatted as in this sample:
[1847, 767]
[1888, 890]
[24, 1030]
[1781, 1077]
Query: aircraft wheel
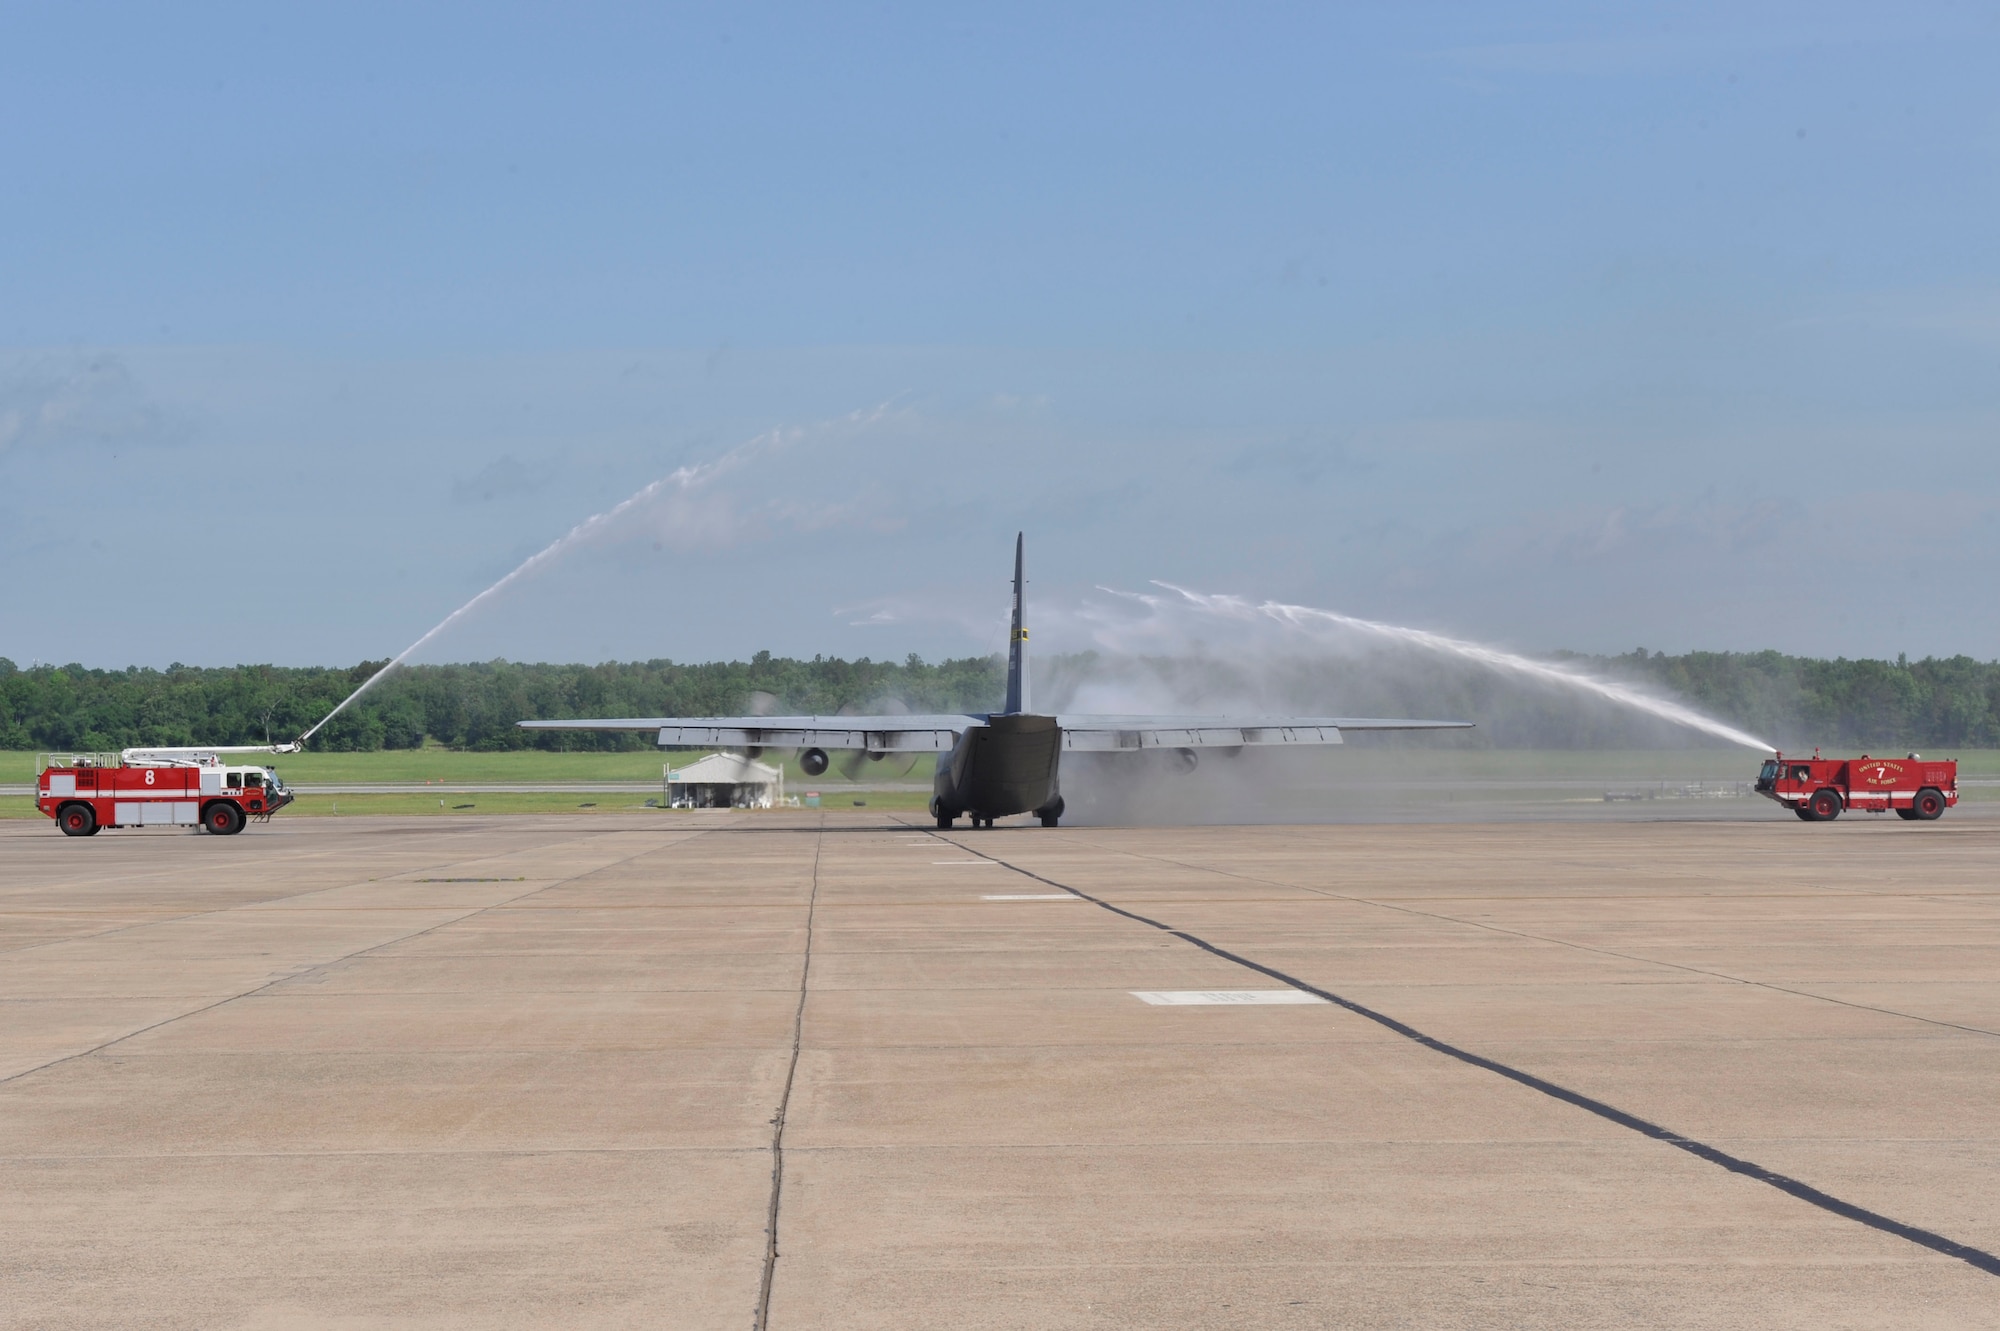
[77, 820]
[1929, 804]
[222, 818]
[944, 820]
[1050, 819]
[1826, 805]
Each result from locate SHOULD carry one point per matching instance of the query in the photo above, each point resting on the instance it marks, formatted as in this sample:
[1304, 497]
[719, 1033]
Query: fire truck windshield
[1767, 775]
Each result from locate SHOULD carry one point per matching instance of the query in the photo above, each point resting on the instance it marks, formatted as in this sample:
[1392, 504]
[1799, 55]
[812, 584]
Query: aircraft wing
[875, 734]
[939, 733]
[1111, 734]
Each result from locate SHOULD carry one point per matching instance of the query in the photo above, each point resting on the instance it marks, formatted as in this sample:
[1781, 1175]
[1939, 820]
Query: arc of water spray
[1304, 616]
[681, 478]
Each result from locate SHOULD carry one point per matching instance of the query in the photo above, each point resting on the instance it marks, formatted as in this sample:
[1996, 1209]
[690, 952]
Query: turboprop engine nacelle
[813, 762]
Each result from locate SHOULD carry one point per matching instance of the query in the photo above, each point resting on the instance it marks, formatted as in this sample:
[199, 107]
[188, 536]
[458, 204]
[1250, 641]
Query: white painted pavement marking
[1029, 896]
[1219, 997]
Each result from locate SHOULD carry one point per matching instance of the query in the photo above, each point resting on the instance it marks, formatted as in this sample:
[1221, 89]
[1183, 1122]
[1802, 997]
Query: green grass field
[448, 805]
[1609, 765]
[521, 766]
[1613, 768]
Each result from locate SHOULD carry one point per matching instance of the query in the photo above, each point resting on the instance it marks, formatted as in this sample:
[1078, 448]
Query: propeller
[884, 765]
[852, 762]
[760, 703]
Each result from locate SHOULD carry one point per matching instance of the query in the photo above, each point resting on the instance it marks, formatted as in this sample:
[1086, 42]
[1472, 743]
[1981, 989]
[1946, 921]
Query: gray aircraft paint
[1017, 642]
[997, 764]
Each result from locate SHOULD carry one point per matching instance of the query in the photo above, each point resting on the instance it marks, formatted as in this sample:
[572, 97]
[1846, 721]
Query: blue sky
[1552, 326]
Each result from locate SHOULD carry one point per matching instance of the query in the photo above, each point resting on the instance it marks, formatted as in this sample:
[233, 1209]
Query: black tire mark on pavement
[1564, 942]
[1805, 1192]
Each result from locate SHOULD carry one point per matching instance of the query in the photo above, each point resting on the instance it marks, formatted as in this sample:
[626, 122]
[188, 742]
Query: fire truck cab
[1818, 789]
[88, 792]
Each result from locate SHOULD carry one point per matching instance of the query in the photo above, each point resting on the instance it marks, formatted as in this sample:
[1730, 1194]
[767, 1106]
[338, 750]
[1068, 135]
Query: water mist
[1306, 619]
[681, 481]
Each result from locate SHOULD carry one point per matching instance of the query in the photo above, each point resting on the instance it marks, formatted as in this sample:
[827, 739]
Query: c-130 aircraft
[1000, 763]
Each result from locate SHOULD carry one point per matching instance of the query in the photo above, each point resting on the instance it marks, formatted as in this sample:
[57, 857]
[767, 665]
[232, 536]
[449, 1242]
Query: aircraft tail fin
[1017, 644]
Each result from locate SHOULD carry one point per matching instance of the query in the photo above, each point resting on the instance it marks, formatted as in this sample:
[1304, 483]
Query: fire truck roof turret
[203, 756]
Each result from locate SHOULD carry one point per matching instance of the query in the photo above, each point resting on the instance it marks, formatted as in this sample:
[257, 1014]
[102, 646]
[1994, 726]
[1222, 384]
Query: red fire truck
[1817, 789]
[87, 792]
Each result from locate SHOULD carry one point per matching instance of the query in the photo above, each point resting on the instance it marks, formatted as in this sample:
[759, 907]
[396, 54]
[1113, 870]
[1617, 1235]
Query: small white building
[724, 781]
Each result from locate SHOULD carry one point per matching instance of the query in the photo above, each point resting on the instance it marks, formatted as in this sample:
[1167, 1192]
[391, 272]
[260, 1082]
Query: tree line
[1794, 701]
[72, 707]
[1948, 702]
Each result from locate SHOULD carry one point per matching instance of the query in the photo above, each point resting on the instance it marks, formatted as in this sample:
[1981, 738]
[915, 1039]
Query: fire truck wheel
[222, 818]
[76, 820]
[1929, 804]
[1908, 815]
[1806, 815]
[1826, 805]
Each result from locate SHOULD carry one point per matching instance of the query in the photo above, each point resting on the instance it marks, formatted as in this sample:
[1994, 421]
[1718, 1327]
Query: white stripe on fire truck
[1864, 795]
[1883, 795]
[127, 796]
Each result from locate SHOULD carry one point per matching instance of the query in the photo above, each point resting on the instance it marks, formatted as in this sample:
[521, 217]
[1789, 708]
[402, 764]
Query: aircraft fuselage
[996, 764]
[1006, 766]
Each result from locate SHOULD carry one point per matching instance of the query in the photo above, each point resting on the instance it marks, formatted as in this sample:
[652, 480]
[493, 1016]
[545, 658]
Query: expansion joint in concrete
[299, 972]
[762, 1319]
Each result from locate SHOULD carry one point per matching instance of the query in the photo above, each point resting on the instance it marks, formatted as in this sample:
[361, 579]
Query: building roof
[725, 769]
